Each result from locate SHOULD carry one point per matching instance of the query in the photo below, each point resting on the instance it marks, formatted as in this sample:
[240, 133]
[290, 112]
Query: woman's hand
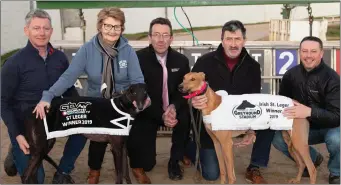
[40, 109]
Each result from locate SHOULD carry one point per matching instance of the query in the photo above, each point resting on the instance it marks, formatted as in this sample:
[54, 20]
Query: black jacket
[318, 89]
[177, 66]
[245, 78]
[24, 77]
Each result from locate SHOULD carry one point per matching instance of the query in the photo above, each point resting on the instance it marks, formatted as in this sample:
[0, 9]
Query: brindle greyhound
[297, 140]
[40, 146]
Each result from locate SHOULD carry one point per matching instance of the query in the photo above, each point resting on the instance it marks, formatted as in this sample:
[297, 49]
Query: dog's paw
[197, 178]
[294, 181]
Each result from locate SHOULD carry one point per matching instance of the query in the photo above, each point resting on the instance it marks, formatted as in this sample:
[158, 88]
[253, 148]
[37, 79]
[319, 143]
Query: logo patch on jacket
[123, 64]
[175, 69]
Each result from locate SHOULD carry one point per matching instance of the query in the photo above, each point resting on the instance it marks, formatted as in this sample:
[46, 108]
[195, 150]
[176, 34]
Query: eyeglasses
[158, 36]
[109, 27]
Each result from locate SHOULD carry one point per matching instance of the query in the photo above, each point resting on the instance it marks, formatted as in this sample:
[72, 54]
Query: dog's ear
[202, 75]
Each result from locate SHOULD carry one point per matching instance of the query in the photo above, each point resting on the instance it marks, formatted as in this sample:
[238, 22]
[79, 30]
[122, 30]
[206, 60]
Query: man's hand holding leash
[24, 146]
[169, 117]
[248, 139]
[199, 102]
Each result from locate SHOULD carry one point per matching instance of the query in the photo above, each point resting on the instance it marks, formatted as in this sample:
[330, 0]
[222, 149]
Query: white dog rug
[250, 111]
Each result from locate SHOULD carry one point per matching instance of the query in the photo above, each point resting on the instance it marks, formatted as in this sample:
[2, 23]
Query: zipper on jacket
[305, 88]
[237, 69]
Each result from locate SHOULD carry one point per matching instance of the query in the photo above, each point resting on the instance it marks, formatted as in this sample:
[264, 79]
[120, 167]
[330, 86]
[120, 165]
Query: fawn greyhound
[296, 138]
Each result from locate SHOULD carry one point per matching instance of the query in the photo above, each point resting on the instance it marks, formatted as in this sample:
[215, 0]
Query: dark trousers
[209, 161]
[261, 148]
[142, 141]
[96, 154]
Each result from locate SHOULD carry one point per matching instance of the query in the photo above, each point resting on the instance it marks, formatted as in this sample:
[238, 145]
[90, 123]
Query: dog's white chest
[250, 111]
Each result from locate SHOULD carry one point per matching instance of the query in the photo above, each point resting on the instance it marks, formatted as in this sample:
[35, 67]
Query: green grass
[136, 36]
[5, 56]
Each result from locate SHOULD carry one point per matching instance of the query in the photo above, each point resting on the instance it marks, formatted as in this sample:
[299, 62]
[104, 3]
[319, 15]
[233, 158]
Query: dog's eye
[192, 79]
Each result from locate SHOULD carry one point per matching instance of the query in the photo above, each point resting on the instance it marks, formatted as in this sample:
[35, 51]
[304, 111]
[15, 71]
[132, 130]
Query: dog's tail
[54, 164]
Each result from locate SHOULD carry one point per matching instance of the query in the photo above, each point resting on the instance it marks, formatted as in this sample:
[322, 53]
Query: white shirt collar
[159, 58]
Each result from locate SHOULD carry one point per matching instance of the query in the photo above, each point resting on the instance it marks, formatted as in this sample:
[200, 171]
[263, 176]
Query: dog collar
[198, 92]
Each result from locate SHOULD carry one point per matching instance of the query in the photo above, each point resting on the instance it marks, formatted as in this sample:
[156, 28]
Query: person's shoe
[186, 162]
[62, 178]
[9, 166]
[254, 176]
[317, 163]
[334, 179]
[141, 176]
[174, 170]
[93, 177]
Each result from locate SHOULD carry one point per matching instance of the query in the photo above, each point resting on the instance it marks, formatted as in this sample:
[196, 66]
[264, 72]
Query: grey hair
[37, 13]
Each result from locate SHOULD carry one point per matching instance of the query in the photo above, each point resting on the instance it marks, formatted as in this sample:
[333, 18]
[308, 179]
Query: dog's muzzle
[181, 88]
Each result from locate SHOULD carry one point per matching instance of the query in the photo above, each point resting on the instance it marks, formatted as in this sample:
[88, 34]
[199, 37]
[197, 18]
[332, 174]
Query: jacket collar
[315, 70]
[31, 48]
[169, 51]
[219, 54]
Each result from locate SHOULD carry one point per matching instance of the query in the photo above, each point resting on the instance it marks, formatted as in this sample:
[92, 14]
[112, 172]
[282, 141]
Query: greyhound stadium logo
[246, 110]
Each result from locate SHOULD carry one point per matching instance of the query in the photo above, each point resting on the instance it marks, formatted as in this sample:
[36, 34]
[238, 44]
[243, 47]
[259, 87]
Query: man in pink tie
[163, 69]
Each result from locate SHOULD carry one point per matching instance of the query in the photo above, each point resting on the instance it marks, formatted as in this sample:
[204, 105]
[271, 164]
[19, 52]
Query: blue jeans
[72, 149]
[261, 148]
[209, 161]
[21, 160]
[329, 136]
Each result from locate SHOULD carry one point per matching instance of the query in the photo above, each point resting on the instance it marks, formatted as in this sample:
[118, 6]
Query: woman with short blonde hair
[111, 65]
[113, 12]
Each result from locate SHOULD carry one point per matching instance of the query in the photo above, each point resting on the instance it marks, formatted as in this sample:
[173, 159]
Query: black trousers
[142, 141]
[96, 154]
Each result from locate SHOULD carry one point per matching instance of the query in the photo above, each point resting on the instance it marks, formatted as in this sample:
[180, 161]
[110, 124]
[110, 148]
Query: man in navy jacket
[24, 77]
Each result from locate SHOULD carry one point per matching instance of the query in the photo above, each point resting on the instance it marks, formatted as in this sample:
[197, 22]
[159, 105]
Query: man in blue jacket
[25, 76]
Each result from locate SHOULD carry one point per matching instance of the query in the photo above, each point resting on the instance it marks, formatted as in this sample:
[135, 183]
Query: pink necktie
[165, 86]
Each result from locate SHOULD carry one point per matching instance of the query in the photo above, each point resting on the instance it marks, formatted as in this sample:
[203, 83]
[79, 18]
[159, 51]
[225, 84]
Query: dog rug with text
[86, 115]
[251, 111]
